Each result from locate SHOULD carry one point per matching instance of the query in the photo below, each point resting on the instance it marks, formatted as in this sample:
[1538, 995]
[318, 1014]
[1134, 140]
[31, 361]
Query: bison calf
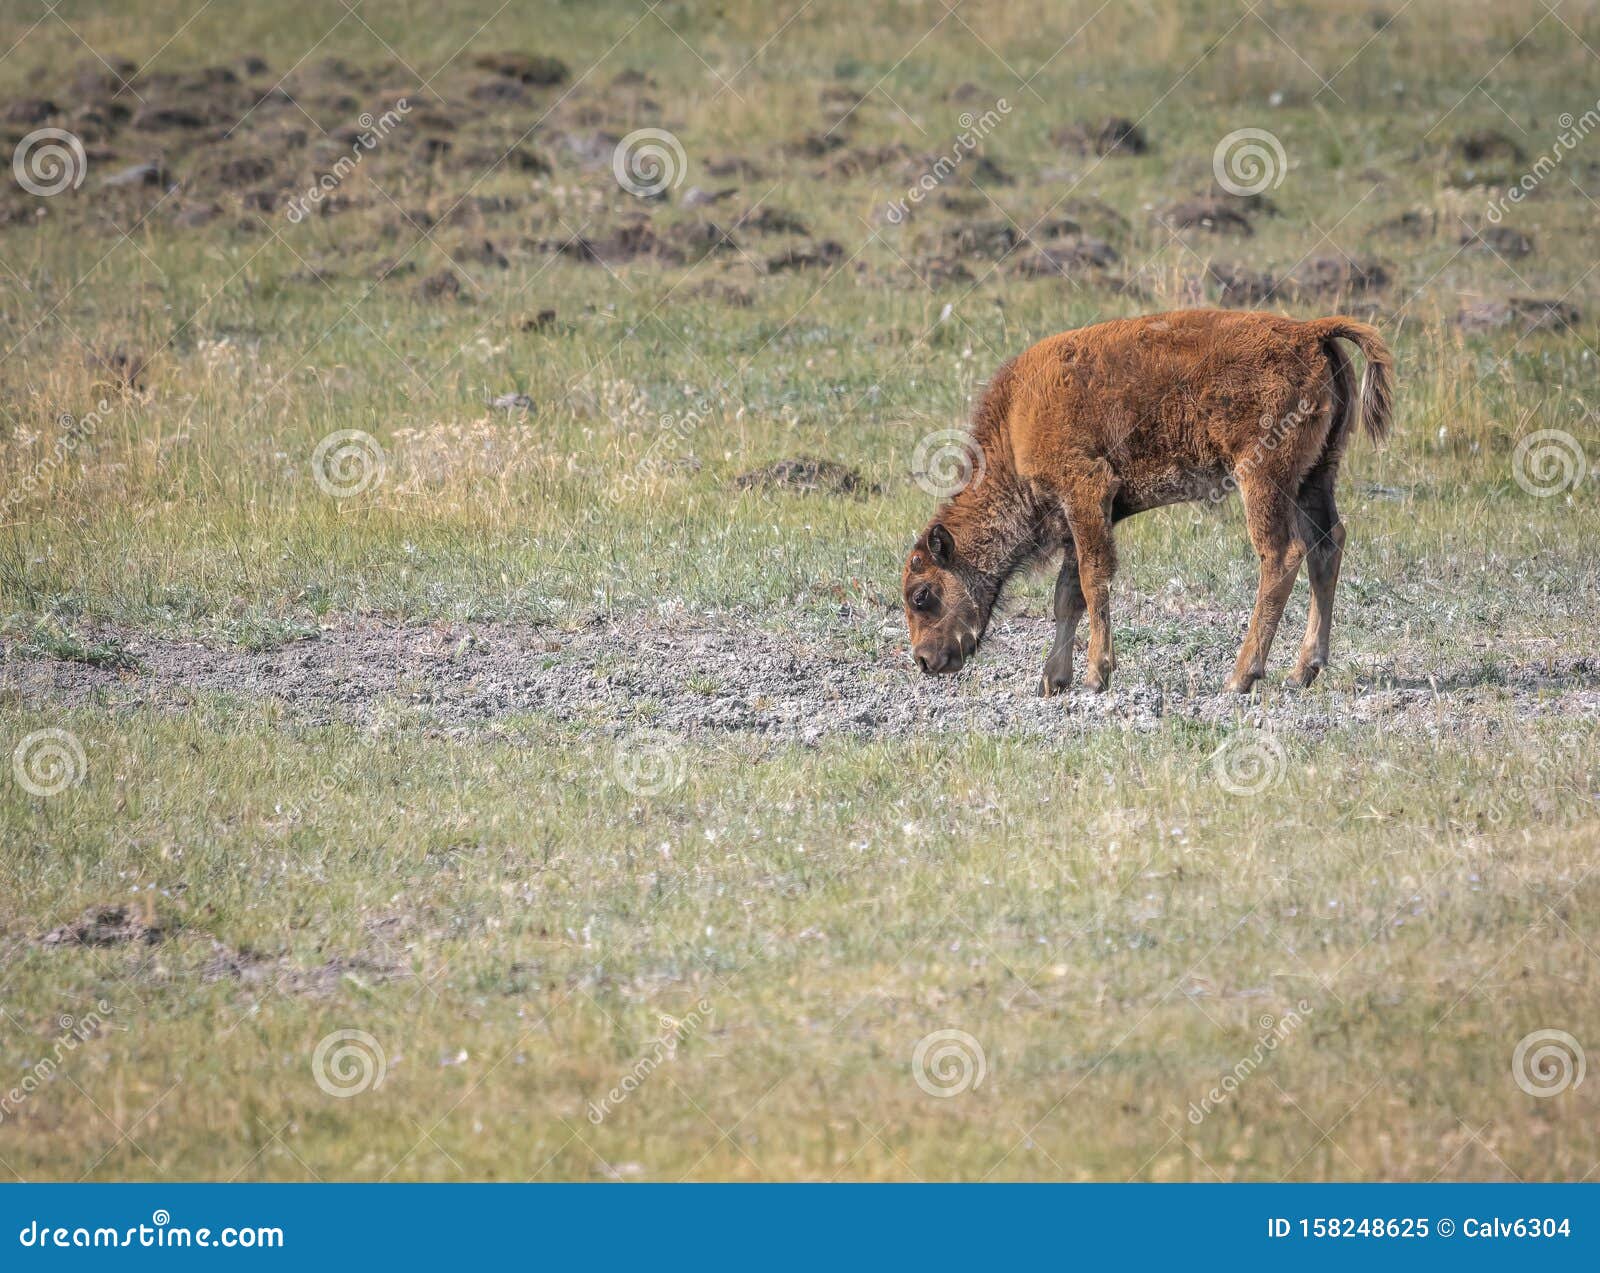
[1094, 425]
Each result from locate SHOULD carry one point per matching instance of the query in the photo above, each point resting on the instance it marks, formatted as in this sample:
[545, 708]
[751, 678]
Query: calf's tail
[1377, 381]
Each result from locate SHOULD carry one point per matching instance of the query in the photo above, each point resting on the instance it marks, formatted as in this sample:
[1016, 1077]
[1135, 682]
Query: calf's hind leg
[1069, 609]
[1271, 518]
[1322, 533]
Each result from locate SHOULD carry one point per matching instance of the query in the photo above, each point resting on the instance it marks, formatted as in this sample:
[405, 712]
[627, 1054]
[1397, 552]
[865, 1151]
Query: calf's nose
[936, 662]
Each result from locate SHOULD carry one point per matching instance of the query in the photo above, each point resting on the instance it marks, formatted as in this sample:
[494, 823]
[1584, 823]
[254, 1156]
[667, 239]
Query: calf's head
[947, 604]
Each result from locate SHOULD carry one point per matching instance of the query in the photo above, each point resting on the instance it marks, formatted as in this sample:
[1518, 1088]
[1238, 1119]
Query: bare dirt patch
[698, 675]
[252, 968]
[108, 926]
[807, 474]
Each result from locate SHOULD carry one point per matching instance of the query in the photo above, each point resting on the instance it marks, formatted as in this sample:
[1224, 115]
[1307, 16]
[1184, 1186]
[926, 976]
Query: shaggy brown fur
[1097, 424]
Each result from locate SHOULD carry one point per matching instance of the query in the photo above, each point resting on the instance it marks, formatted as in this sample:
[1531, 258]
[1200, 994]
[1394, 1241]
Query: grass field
[446, 742]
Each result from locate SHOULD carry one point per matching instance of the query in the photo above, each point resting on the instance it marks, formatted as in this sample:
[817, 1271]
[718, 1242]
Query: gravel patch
[693, 675]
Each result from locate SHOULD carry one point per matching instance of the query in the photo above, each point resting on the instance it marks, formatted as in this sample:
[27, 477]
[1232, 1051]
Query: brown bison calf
[1094, 425]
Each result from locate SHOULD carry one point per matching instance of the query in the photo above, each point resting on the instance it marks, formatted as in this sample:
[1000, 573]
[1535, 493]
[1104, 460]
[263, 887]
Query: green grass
[510, 923]
[1107, 921]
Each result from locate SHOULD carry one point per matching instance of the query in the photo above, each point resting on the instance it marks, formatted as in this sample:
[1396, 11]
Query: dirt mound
[770, 220]
[443, 286]
[107, 926]
[996, 238]
[858, 161]
[695, 197]
[525, 68]
[1067, 260]
[1502, 240]
[1320, 278]
[253, 968]
[822, 252]
[1238, 285]
[1113, 136]
[806, 475]
[724, 293]
[1214, 215]
[1486, 143]
[1330, 276]
[1526, 313]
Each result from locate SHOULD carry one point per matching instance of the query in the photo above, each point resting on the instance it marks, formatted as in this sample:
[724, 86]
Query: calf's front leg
[1069, 608]
[1088, 504]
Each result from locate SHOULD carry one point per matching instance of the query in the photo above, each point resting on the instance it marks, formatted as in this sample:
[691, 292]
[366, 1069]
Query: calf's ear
[941, 545]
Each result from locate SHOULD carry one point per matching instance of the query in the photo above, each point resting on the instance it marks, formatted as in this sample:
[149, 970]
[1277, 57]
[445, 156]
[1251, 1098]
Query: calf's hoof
[1240, 684]
[1306, 669]
[1097, 679]
[1057, 678]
